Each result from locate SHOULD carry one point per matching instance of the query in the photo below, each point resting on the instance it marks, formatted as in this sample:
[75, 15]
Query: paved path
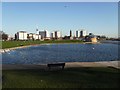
[115, 64]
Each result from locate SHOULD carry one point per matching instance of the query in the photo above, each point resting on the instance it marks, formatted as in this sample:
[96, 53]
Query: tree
[4, 36]
[15, 36]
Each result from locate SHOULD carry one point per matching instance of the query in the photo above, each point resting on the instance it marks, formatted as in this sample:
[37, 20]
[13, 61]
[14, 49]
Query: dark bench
[56, 65]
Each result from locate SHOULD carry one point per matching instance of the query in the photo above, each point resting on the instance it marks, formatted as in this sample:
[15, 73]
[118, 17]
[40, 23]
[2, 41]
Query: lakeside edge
[114, 64]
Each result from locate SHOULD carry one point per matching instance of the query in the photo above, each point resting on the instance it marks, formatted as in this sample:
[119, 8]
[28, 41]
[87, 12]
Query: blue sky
[99, 18]
[60, 0]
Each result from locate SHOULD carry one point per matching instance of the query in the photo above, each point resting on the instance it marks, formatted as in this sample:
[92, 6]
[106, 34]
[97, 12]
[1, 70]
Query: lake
[50, 53]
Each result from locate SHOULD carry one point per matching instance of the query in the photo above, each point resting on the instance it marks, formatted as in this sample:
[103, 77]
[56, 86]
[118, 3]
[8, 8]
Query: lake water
[44, 54]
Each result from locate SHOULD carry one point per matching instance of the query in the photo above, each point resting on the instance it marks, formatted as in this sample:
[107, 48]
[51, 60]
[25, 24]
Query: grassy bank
[97, 77]
[11, 44]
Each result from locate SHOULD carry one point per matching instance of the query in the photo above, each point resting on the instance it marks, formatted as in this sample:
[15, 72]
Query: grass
[94, 77]
[10, 44]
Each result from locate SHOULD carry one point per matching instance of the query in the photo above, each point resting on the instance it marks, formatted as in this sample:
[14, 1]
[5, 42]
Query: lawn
[10, 44]
[94, 77]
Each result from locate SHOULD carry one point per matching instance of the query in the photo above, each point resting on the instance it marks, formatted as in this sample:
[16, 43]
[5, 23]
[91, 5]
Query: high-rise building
[53, 35]
[77, 34]
[33, 36]
[44, 34]
[83, 33]
[57, 34]
[21, 35]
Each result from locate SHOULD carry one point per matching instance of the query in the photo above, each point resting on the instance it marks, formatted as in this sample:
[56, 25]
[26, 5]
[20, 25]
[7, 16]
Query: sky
[100, 18]
[60, 0]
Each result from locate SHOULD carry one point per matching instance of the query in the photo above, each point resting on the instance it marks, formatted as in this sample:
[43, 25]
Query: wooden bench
[56, 65]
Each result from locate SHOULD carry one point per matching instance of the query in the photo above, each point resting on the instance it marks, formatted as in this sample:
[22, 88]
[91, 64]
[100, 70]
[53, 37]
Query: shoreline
[114, 64]
[14, 48]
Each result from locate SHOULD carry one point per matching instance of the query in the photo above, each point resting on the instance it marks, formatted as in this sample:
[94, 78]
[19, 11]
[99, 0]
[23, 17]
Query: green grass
[10, 44]
[97, 77]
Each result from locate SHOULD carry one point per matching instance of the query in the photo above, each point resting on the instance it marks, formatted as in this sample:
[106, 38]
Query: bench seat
[56, 65]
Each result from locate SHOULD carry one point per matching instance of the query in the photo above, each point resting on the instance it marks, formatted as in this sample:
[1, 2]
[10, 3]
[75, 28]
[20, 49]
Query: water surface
[50, 53]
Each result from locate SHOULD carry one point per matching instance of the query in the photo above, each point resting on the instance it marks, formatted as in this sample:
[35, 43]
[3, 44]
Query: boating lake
[51, 53]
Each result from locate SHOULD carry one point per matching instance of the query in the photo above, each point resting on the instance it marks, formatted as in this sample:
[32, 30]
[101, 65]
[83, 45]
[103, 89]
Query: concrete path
[115, 64]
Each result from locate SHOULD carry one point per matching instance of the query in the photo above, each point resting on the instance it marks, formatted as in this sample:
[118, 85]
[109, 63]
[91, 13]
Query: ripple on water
[61, 53]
